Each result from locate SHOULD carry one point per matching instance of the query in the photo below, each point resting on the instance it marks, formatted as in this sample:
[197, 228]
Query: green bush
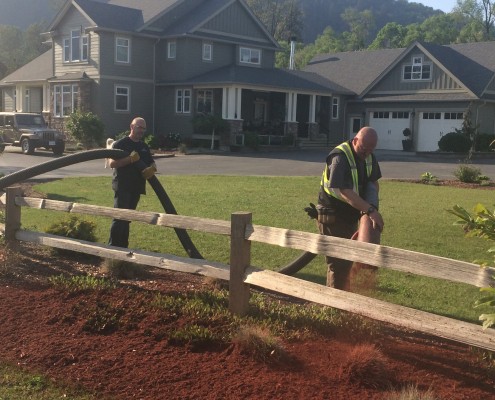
[468, 174]
[483, 141]
[251, 140]
[86, 128]
[454, 142]
[74, 228]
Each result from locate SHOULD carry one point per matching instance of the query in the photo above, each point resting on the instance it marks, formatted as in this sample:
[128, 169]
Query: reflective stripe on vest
[346, 149]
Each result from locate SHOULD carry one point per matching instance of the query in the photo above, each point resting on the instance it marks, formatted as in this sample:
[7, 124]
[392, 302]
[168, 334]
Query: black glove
[311, 211]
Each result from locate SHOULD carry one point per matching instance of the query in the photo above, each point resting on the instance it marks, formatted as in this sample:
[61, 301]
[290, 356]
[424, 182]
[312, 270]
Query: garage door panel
[432, 126]
[389, 126]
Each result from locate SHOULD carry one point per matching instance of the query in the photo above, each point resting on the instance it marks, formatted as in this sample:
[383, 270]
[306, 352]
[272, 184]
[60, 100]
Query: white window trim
[128, 96]
[171, 50]
[58, 99]
[251, 51]
[181, 96]
[198, 97]
[417, 61]
[207, 54]
[335, 105]
[68, 54]
[128, 47]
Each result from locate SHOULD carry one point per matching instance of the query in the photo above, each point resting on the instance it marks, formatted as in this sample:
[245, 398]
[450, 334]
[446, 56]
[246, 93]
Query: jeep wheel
[27, 146]
[58, 149]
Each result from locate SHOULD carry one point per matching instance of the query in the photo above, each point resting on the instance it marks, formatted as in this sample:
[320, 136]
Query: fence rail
[241, 274]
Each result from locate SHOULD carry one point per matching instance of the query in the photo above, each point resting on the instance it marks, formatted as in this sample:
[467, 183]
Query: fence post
[12, 212]
[240, 260]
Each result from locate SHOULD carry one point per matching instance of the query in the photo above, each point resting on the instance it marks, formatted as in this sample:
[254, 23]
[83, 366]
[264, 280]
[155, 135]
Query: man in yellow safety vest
[348, 192]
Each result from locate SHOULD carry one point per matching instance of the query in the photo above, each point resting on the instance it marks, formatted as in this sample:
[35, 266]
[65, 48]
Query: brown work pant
[339, 270]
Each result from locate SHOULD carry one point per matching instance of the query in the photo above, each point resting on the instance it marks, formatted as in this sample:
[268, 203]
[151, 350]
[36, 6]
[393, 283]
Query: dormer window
[207, 51]
[418, 70]
[250, 56]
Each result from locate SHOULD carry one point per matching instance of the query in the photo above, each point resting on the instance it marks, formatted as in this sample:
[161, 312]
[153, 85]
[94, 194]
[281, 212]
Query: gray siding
[235, 20]
[141, 104]
[393, 81]
[167, 121]
[141, 57]
[8, 99]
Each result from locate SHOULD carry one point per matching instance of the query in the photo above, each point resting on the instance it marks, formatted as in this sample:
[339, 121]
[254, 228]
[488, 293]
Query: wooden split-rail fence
[240, 274]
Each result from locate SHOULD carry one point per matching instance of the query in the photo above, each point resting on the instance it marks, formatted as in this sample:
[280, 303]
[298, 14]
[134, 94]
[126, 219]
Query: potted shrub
[407, 143]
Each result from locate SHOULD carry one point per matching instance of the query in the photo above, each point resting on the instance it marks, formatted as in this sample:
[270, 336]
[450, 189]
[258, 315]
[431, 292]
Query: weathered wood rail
[241, 274]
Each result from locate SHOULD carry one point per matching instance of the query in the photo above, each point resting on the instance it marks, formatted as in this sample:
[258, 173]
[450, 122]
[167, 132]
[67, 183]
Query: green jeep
[29, 131]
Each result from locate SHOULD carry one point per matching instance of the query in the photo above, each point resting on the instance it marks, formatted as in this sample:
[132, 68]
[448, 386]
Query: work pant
[119, 230]
[338, 270]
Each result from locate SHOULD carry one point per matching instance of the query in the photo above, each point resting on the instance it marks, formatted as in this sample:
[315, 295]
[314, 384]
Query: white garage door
[433, 125]
[389, 126]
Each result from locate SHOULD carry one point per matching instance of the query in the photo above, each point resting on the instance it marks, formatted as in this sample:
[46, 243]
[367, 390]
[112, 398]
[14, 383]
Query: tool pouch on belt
[325, 216]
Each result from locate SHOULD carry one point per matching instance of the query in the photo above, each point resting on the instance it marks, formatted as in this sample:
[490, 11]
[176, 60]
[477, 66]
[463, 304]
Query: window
[205, 101]
[27, 105]
[400, 115]
[207, 51]
[183, 101]
[122, 50]
[66, 99]
[418, 70]
[75, 47]
[122, 94]
[335, 107]
[381, 114]
[250, 56]
[454, 115]
[171, 50]
[432, 115]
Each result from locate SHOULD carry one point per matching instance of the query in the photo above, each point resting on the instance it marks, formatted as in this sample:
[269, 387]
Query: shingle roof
[266, 77]
[40, 69]
[472, 64]
[354, 70]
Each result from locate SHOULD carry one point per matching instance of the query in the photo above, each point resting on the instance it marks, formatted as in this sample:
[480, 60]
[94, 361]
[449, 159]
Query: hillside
[23, 13]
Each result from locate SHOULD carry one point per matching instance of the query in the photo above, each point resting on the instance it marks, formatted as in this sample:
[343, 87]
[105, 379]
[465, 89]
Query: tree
[361, 24]
[391, 35]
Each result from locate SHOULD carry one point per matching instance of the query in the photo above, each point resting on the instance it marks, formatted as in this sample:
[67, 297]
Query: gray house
[427, 88]
[172, 60]
[168, 61]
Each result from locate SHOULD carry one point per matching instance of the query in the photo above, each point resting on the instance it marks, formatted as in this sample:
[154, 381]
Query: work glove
[134, 157]
[148, 172]
[311, 211]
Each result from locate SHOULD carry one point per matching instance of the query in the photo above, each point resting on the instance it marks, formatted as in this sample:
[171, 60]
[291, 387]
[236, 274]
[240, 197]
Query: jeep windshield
[27, 121]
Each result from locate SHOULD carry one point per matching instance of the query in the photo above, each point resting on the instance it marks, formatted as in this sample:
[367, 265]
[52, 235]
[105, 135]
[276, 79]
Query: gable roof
[38, 70]
[472, 65]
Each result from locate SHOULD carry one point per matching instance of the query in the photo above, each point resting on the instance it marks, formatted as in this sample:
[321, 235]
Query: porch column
[19, 101]
[231, 103]
[312, 109]
[291, 106]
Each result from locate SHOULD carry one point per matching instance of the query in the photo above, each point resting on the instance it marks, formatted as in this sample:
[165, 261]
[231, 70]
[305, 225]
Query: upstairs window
[207, 51]
[75, 47]
[417, 70]
[171, 50]
[250, 56]
[122, 50]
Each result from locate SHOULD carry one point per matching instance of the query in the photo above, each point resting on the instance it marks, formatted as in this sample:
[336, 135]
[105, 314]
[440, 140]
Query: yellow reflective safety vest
[347, 150]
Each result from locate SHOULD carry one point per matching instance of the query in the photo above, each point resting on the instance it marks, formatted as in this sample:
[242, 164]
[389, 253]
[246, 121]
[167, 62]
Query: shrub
[483, 141]
[87, 128]
[428, 178]
[74, 228]
[468, 174]
[454, 142]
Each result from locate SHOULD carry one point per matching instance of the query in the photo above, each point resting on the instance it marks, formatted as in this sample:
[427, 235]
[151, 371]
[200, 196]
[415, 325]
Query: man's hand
[134, 156]
[148, 172]
[377, 220]
[311, 211]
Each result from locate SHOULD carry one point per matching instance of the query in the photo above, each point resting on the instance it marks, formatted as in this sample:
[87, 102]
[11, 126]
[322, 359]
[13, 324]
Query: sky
[444, 5]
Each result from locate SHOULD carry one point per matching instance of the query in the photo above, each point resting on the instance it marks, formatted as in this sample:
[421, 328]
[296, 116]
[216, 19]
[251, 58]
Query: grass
[415, 218]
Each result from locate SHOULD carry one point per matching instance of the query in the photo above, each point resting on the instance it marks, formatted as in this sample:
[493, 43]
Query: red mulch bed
[45, 330]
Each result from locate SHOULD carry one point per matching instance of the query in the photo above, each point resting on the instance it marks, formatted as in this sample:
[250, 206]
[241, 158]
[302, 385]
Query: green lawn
[415, 218]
